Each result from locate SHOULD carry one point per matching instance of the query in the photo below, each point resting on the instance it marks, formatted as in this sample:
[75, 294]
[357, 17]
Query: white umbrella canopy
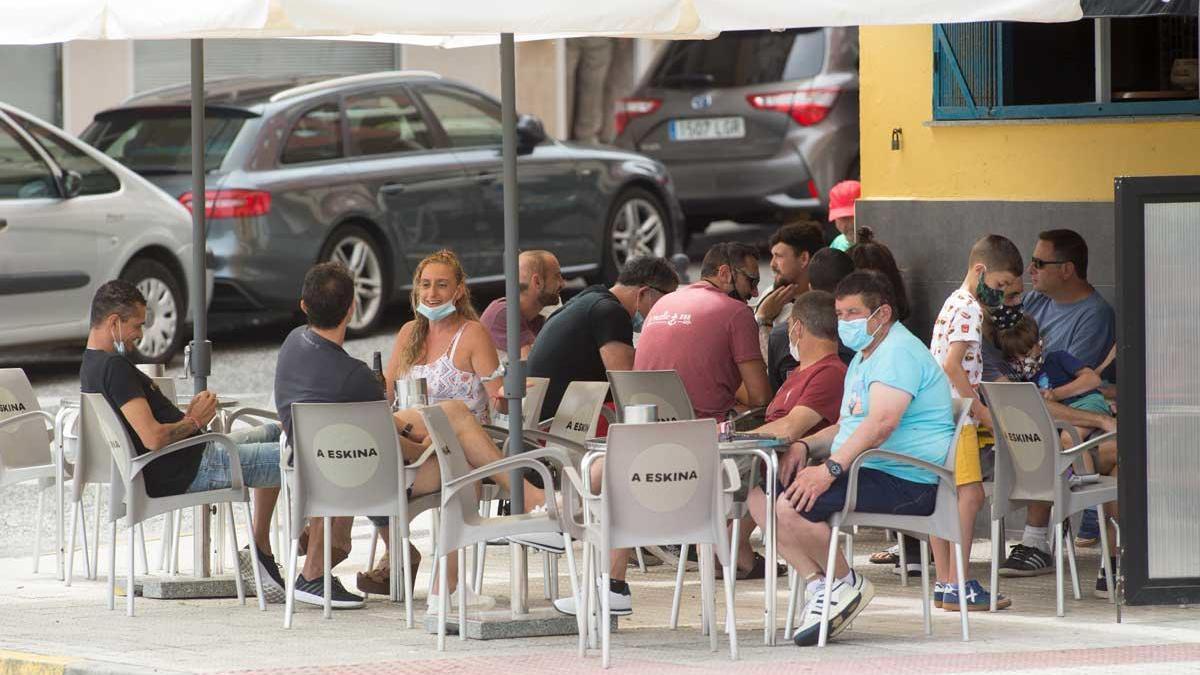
[474, 22]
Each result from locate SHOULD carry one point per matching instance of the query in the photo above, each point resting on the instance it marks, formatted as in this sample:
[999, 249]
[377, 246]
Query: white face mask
[119, 341]
[793, 348]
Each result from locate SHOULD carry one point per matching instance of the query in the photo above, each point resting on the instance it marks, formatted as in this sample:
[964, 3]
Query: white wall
[96, 75]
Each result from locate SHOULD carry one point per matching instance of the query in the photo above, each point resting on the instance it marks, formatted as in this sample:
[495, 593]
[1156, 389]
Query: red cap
[842, 197]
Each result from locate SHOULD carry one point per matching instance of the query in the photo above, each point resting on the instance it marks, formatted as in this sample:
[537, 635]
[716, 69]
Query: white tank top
[446, 382]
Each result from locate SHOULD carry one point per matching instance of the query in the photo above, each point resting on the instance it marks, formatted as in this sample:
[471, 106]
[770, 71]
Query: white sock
[814, 585]
[1037, 537]
[849, 578]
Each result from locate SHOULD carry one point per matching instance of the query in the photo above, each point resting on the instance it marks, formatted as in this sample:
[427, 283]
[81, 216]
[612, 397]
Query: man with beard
[541, 281]
[792, 249]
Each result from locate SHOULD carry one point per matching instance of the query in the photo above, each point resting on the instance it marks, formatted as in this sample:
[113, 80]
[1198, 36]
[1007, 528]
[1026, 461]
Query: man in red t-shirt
[811, 396]
[706, 332]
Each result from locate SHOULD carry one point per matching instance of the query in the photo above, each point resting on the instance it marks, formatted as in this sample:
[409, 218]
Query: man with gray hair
[541, 281]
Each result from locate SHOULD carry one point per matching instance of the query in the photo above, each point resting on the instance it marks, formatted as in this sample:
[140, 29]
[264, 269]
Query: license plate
[708, 128]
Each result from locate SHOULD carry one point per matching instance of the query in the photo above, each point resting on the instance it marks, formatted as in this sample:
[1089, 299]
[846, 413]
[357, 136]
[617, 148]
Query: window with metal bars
[1091, 68]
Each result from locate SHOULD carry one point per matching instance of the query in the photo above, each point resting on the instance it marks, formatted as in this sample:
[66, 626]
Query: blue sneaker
[978, 600]
[1089, 530]
[939, 591]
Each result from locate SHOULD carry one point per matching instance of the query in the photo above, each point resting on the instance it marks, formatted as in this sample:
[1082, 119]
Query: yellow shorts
[966, 458]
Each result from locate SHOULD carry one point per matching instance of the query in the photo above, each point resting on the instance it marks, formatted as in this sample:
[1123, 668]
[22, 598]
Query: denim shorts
[878, 492]
[258, 450]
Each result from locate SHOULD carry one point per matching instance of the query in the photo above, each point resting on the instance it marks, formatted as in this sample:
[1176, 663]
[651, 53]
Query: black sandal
[757, 571]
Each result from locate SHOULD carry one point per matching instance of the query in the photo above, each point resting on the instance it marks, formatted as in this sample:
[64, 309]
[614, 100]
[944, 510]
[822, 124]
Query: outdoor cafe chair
[348, 462]
[663, 481]
[573, 423]
[27, 447]
[942, 523]
[1032, 466]
[128, 500]
[462, 525]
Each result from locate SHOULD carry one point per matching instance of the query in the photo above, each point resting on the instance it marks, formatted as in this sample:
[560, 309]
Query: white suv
[72, 219]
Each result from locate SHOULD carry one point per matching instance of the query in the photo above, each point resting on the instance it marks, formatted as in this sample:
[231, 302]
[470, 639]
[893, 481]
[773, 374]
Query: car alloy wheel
[638, 229]
[162, 319]
[362, 259]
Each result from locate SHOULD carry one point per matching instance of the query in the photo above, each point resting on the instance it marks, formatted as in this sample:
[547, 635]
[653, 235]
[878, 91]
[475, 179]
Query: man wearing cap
[841, 212]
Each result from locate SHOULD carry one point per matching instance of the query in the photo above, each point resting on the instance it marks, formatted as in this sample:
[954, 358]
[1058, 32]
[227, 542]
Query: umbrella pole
[200, 349]
[514, 380]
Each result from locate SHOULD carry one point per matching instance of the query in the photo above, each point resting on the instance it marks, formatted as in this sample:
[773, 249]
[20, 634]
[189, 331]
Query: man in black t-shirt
[154, 422]
[593, 332]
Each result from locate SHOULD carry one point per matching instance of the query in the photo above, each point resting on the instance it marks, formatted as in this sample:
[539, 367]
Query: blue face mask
[854, 333]
[638, 320]
[436, 313]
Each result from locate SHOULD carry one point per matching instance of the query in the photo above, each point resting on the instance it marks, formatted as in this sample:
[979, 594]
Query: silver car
[72, 219]
[754, 126]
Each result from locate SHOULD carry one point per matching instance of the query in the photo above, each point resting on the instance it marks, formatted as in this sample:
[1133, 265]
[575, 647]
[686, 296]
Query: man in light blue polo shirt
[896, 398]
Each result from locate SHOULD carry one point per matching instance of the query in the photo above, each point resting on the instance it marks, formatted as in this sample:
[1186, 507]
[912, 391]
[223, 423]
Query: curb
[28, 663]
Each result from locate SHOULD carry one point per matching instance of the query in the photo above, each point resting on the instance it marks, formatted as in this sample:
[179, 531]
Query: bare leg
[745, 559]
[264, 508]
[792, 537]
[314, 560]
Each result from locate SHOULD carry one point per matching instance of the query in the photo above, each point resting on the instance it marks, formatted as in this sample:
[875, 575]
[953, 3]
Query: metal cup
[152, 369]
[411, 392]
[643, 413]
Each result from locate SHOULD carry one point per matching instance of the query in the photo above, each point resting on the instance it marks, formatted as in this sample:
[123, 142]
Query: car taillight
[629, 108]
[232, 203]
[806, 106]
[812, 190]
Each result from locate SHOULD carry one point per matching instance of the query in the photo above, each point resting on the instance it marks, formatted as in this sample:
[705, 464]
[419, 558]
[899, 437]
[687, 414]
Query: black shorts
[878, 492]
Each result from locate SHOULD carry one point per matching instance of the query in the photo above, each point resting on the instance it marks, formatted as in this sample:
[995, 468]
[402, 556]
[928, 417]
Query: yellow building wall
[1048, 160]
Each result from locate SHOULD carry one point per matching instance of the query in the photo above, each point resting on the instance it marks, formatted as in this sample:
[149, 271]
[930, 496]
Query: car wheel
[163, 335]
[358, 250]
[638, 225]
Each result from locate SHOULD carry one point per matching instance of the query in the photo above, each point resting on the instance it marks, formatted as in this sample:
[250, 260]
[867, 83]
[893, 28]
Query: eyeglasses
[656, 288]
[752, 278]
[1038, 263]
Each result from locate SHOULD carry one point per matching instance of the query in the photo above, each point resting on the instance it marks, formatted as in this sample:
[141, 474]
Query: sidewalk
[48, 628]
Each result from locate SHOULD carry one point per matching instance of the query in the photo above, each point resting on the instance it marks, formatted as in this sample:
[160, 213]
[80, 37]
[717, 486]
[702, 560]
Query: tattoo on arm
[179, 431]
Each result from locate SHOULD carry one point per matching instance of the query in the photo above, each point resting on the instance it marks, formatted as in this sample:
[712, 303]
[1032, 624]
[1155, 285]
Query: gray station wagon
[755, 126]
[377, 171]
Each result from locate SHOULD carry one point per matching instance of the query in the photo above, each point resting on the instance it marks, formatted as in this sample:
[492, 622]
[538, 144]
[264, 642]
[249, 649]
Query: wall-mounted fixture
[897, 135]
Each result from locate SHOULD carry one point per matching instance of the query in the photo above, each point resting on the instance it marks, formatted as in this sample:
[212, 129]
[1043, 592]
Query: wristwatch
[834, 468]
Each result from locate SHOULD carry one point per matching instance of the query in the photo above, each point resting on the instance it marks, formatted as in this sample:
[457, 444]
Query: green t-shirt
[841, 243]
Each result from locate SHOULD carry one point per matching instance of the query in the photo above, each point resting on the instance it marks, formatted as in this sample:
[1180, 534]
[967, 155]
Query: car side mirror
[530, 133]
[72, 184]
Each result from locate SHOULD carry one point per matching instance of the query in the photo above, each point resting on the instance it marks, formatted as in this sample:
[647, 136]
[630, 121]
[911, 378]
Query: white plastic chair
[461, 524]
[942, 523]
[1031, 466]
[634, 510]
[27, 447]
[347, 463]
[128, 499]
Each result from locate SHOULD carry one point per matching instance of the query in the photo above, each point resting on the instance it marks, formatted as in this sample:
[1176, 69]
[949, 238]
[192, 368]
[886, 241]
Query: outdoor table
[765, 448]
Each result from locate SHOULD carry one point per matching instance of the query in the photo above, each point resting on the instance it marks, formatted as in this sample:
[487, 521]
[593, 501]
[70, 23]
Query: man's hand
[770, 306]
[809, 484]
[796, 456]
[203, 408]
[1048, 394]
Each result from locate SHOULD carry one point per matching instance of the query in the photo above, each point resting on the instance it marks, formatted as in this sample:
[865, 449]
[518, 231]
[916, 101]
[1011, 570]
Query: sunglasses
[1038, 263]
[752, 278]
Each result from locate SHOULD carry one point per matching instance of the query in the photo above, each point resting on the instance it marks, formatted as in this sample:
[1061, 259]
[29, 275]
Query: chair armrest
[1068, 456]
[422, 459]
[25, 417]
[140, 462]
[732, 476]
[577, 482]
[252, 412]
[1070, 429]
[522, 461]
[852, 488]
[531, 435]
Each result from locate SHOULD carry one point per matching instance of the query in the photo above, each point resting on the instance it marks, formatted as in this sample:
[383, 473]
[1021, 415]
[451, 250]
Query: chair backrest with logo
[1026, 443]
[347, 459]
[579, 411]
[662, 483]
[531, 405]
[663, 388]
[26, 444]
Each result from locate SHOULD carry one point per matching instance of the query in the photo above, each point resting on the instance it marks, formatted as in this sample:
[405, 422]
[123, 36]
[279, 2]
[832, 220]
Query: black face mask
[733, 293]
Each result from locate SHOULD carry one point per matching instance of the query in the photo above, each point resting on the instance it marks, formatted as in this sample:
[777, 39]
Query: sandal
[757, 571]
[888, 557]
[378, 580]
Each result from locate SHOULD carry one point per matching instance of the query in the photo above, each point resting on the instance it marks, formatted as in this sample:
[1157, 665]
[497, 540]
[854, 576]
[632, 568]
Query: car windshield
[741, 58]
[161, 144]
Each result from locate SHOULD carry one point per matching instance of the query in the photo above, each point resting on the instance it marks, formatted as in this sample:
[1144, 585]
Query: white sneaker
[550, 542]
[619, 604]
[475, 602]
[847, 602]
